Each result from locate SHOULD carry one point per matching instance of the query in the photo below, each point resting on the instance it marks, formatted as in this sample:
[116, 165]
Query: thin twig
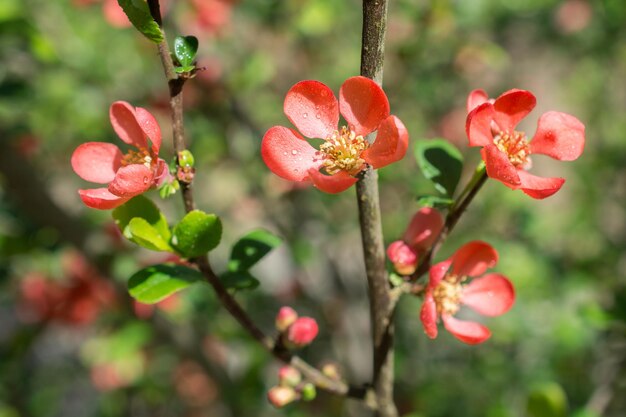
[175, 84]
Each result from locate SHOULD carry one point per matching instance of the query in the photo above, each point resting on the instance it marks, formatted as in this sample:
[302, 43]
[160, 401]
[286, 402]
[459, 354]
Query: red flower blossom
[506, 152]
[127, 175]
[418, 237]
[312, 107]
[490, 295]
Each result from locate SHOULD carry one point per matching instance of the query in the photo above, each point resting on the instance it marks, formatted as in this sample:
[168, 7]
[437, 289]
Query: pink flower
[127, 175]
[312, 107]
[421, 233]
[506, 152]
[490, 295]
[302, 331]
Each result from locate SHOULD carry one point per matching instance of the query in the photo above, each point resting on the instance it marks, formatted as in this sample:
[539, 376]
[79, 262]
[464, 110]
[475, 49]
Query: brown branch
[372, 58]
[175, 84]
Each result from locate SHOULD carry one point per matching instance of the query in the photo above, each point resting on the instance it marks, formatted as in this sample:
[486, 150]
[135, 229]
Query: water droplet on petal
[318, 116]
[294, 152]
[285, 153]
[145, 180]
[305, 115]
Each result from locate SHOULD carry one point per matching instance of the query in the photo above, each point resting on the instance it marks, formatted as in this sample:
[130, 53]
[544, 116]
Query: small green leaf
[154, 283]
[395, 279]
[144, 208]
[188, 68]
[147, 236]
[239, 280]
[441, 162]
[547, 400]
[185, 49]
[197, 233]
[139, 15]
[434, 201]
[251, 248]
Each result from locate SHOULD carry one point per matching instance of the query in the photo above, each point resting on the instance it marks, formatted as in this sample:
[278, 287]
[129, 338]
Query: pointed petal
[101, 198]
[287, 154]
[132, 180]
[428, 316]
[490, 295]
[511, 107]
[539, 187]
[424, 228]
[560, 136]
[391, 144]
[332, 184]
[473, 259]
[312, 107]
[150, 127]
[97, 161]
[125, 123]
[468, 332]
[499, 167]
[437, 272]
[475, 99]
[363, 104]
[478, 125]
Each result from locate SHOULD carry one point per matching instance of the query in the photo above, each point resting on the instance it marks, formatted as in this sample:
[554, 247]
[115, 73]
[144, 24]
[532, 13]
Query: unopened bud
[286, 317]
[185, 159]
[403, 257]
[281, 396]
[302, 332]
[288, 376]
[308, 392]
[331, 371]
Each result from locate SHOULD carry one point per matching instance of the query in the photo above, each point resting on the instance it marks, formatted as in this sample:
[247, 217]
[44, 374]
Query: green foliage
[142, 222]
[185, 50]
[434, 201]
[239, 280]
[251, 248]
[196, 234]
[154, 283]
[139, 15]
[547, 400]
[441, 162]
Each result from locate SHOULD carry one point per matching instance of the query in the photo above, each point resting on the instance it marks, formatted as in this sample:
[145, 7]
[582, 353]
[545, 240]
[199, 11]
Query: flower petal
[363, 104]
[332, 184]
[391, 144]
[287, 154]
[511, 107]
[424, 228]
[132, 180]
[559, 135]
[150, 127]
[478, 125]
[97, 161]
[499, 167]
[125, 123]
[473, 259]
[539, 187]
[490, 295]
[437, 272]
[475, 99]
[428, 316]
[101, 198]
[468, 332]
[312, 107]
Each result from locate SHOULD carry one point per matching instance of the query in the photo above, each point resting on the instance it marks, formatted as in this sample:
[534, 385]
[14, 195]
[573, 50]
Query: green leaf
[434, 201]
[139, 15]
[197, 233]
[547, 400]
[239, 280]
[188, 68]
[144, 208]
[185, 49]
[154, 283]
[147, 236]
[251, 248]
[441, 162]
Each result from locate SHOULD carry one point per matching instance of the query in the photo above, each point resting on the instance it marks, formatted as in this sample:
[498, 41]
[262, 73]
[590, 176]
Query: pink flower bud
[281, 396]
[302, 331]
[289, 376]
[403, 258]
[286, 317]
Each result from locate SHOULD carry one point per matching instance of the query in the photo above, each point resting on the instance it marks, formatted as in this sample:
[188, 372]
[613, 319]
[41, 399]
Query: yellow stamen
[342, 152]
[447, 294]
[515, 146]
[142, 156]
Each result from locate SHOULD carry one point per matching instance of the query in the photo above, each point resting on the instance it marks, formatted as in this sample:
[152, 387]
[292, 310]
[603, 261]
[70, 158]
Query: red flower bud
[403, 258]
[302, 331]
[286, 317]
[289, 376]
[281, 396]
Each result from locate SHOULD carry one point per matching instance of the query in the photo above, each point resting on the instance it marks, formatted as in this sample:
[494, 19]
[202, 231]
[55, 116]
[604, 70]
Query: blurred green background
[561, 351]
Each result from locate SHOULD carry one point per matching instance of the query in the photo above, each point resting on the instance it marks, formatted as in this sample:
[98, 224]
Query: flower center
[515, 146]
[141, 156]
[447, 295]
[342, 152]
